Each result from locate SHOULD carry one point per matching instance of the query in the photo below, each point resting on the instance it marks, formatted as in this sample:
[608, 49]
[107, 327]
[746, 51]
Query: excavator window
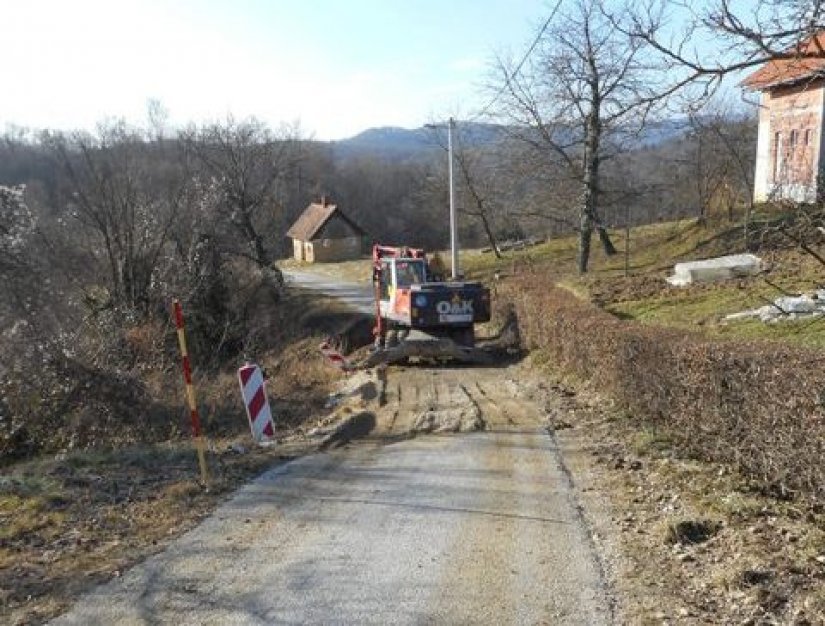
[409, 273]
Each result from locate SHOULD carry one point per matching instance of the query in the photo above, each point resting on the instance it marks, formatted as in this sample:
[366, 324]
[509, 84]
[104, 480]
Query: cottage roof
[808, 62]
[313, 219]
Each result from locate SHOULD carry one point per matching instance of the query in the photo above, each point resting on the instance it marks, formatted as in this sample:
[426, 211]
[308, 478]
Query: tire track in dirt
[453, 400]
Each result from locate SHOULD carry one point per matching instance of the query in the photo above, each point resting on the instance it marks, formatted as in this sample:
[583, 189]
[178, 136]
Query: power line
[486, 108]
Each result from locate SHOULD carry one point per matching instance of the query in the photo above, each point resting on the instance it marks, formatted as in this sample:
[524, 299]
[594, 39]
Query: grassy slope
[644, 296]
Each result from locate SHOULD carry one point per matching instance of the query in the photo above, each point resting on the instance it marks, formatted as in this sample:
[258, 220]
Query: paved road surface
[467, 528]
[358, 295]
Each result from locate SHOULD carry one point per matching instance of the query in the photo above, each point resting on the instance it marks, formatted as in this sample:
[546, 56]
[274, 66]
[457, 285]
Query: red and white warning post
[253, 390]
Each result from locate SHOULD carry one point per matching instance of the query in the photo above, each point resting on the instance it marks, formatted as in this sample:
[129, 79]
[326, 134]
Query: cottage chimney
[323, 200]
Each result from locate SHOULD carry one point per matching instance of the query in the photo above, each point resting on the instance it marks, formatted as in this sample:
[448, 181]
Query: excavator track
[428, 349]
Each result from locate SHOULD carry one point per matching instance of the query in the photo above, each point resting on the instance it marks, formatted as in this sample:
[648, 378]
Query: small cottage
[791, 111]
[323, 234]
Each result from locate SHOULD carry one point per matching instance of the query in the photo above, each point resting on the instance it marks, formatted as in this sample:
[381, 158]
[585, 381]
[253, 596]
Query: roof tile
[810, 63]
[312, 220]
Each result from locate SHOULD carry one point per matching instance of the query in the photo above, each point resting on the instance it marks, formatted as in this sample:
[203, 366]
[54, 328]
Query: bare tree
[16, 223]
[586, 85]
[250, 164]
[118, 195]
[722, 148]
[720, 37]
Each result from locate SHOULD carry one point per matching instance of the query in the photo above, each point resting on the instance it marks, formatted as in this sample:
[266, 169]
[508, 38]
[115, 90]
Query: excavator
[420, 315]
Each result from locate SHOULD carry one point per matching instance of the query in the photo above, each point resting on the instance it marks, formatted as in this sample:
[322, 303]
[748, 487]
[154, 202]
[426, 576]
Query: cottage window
[794, 135]
[778, 157]
[808, 136]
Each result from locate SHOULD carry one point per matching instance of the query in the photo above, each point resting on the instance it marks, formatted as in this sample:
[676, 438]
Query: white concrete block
[720, 268]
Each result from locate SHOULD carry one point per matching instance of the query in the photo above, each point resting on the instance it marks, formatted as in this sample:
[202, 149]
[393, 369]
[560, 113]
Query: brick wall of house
[792, 117]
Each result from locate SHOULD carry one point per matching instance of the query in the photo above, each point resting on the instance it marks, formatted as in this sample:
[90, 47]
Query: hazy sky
[337, 66]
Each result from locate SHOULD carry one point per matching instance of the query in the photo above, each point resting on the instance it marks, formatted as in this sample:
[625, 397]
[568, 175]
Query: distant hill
[663, 130]
[396, 143]
[399, 144]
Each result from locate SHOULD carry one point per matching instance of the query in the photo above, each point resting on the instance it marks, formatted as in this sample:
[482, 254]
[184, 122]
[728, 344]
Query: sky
[337, 67]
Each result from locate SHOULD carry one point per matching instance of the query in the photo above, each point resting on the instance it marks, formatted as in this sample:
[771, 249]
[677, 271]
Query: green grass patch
[686, 309]
[705, 309]
[653, 247]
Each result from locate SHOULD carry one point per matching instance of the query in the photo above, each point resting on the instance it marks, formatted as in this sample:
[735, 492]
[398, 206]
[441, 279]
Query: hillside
[392, 142]
[643, 294]
[395, 143]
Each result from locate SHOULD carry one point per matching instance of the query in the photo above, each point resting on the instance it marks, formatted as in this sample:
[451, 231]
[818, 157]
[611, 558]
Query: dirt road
[400, 520]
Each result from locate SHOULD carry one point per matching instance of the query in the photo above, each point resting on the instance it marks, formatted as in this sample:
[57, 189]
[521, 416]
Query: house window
[777, 156]
[808, 134]
[794, 135]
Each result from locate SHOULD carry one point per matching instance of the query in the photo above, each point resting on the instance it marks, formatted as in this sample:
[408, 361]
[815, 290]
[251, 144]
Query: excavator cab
[394, 274]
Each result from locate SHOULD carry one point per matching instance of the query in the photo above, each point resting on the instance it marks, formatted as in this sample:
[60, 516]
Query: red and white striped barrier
[334, 357]
[253, 391]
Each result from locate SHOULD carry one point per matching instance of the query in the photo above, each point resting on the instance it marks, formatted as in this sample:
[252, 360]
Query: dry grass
[77, 520]
[758, 559]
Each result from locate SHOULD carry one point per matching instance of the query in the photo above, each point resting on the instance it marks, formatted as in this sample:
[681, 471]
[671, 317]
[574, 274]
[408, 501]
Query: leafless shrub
[756, 405]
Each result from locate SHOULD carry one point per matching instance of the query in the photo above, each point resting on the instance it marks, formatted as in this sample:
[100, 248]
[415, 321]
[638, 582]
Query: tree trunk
[607, 244]
[590, 183]
[261, 255]
[254, 238]
[585, 233]
[487, 230]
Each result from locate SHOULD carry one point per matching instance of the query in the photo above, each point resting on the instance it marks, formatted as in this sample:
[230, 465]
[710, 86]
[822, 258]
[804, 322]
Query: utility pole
[453, 226]
[454, 268]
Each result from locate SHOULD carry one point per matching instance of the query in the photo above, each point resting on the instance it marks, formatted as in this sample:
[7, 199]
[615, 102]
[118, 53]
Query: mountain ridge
[399, 143]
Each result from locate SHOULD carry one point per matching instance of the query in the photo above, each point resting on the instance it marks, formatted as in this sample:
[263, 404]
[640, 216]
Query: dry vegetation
[77, 517]
[707, 437]
[757, 406]
[690, 542]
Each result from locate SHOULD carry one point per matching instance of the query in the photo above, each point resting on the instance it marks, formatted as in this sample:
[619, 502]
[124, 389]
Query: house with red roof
[789, 164]
[324, 234]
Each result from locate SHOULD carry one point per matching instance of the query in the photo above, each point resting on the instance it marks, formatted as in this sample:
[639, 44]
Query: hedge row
[758, 406]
